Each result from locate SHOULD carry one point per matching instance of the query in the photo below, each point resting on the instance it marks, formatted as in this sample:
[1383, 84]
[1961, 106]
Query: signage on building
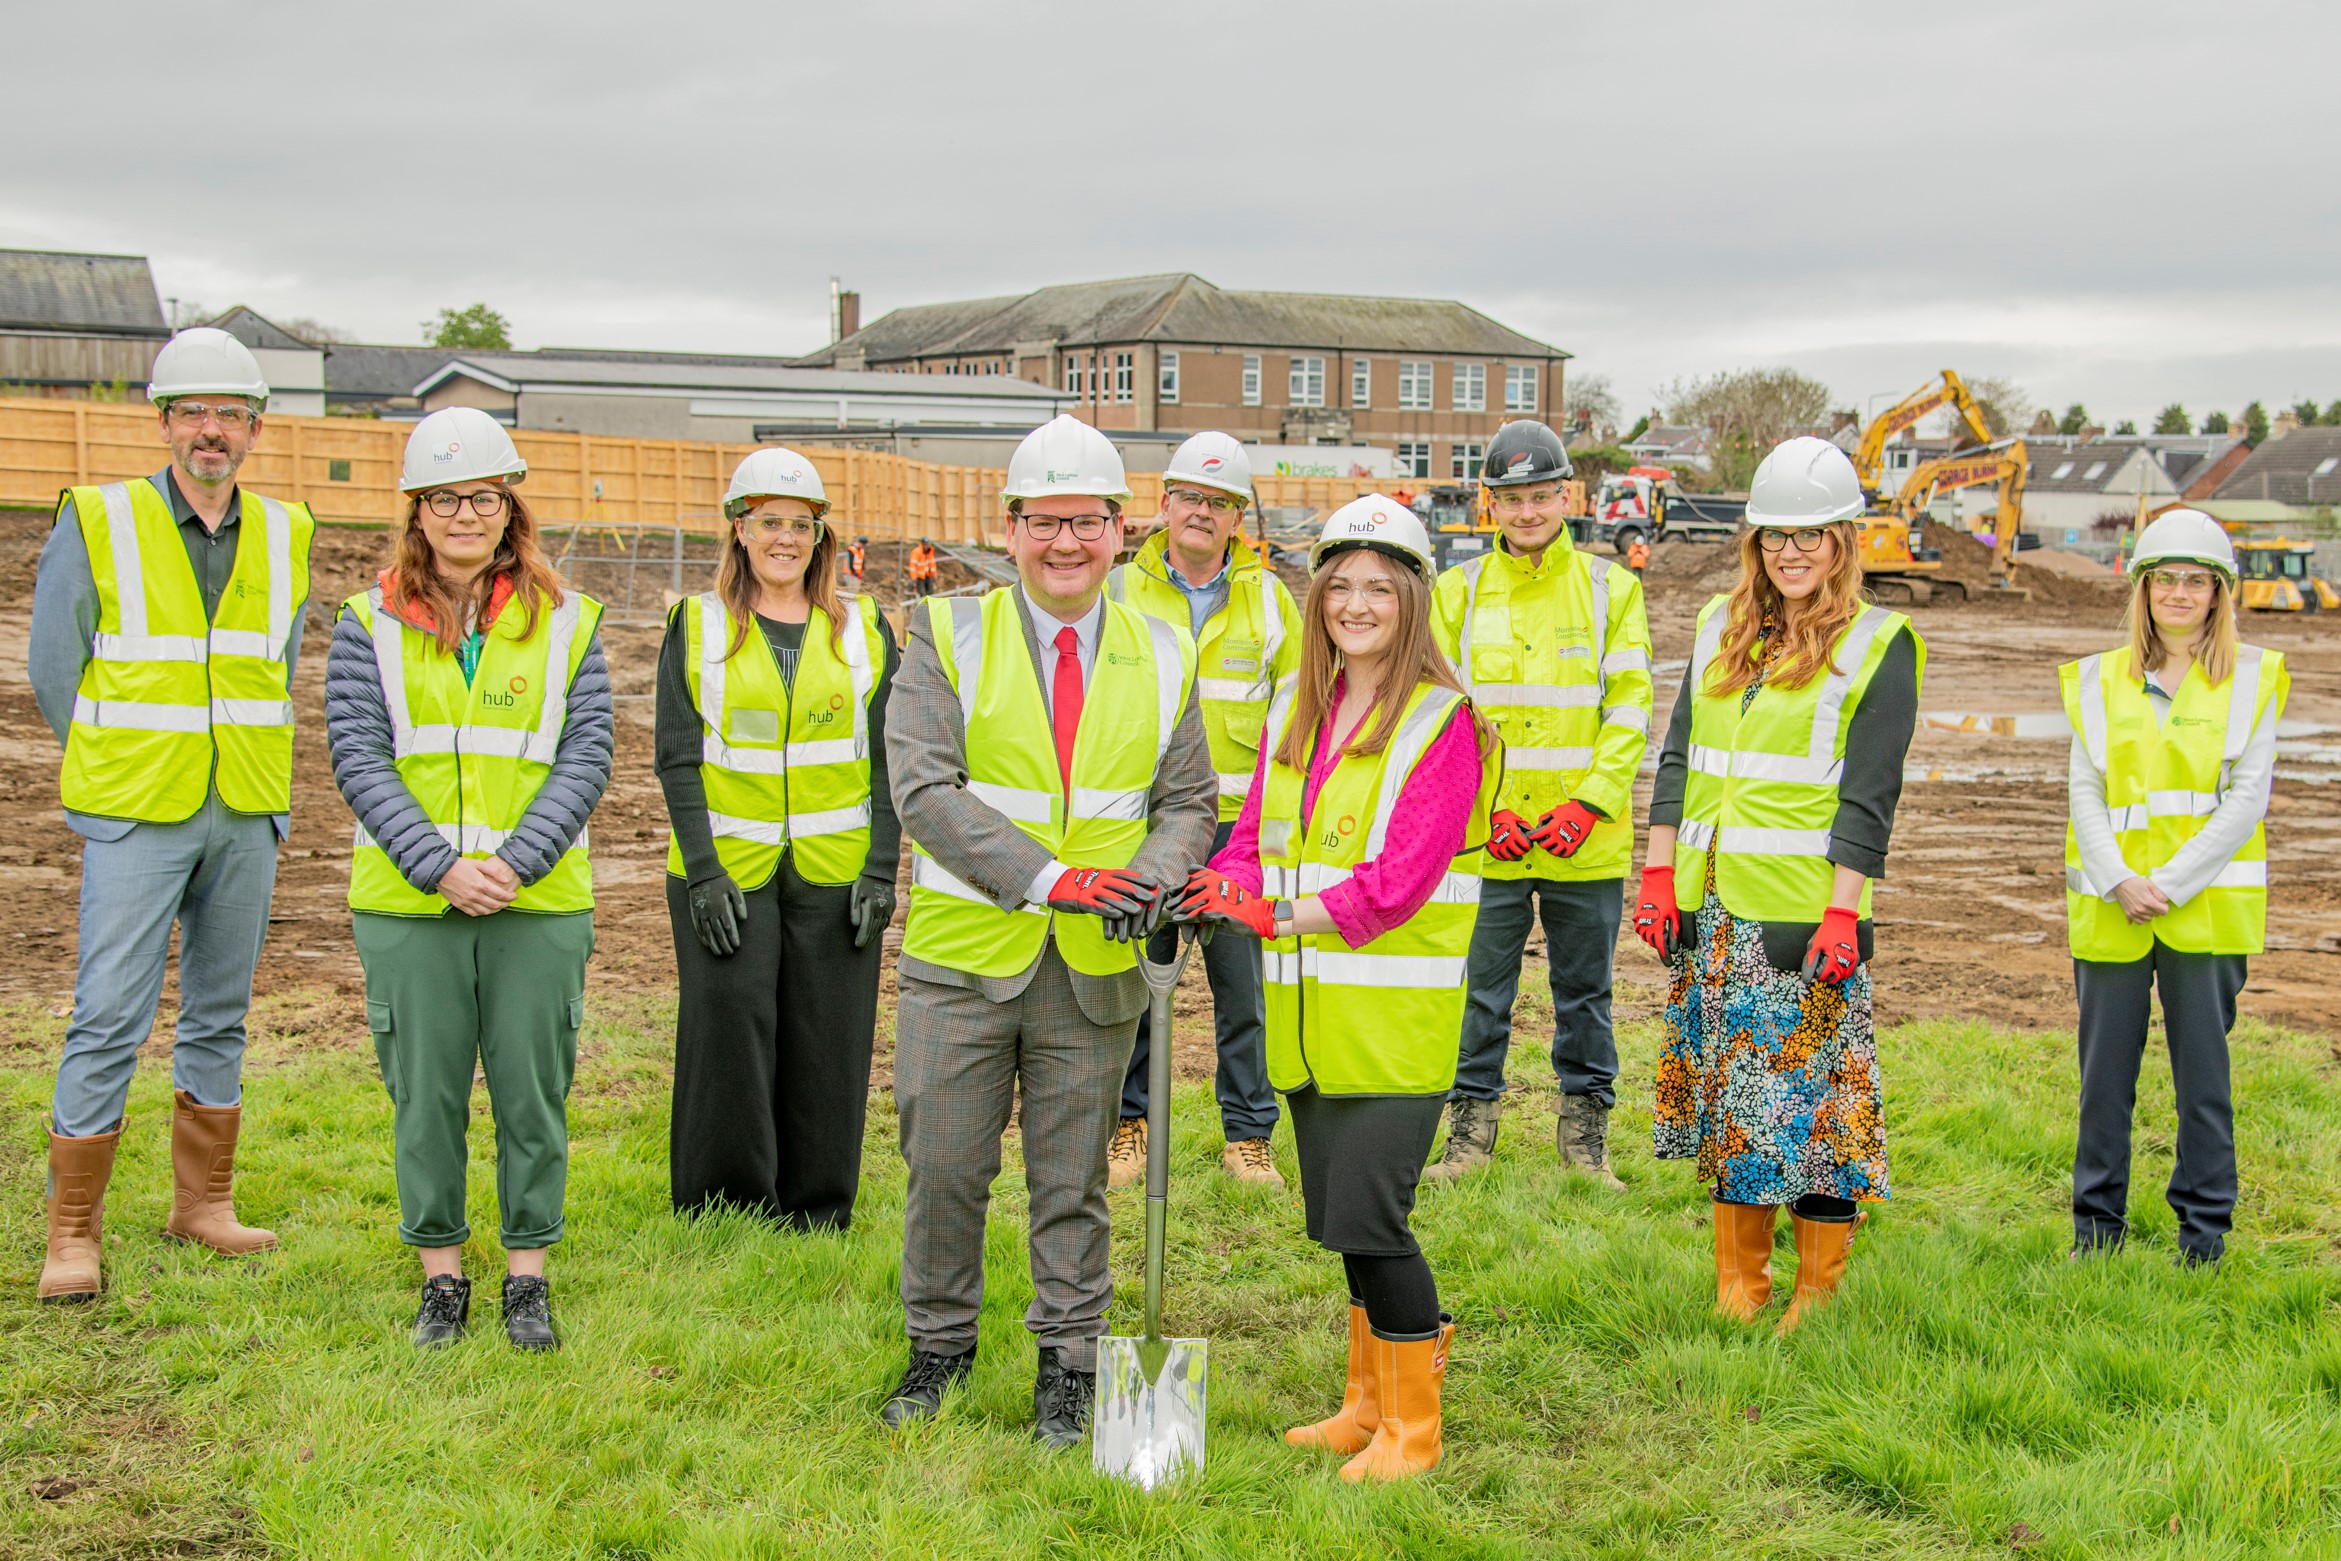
[1320, 460]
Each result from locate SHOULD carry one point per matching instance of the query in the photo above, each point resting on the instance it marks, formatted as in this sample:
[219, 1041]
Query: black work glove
[718, 911]
[1135, 926]
[870, 905]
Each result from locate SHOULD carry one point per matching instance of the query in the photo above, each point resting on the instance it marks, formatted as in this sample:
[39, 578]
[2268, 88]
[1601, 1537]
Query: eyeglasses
[1218, 503]
[1806, 538]
[1376, 593]
[446, 503]
[1044, 528]
[1513, 501]
[2187, 580]
[194, 414]
[771, 528]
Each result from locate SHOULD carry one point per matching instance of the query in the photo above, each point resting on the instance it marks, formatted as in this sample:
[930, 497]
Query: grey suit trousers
[960, 1062]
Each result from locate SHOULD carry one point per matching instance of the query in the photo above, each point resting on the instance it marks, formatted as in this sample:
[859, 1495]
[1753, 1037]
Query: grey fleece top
[357, 728]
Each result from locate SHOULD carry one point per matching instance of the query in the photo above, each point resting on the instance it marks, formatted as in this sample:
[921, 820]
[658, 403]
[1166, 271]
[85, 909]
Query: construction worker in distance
[166, 624]
[857, 561]
[1638, 554]
[923, 559]
[1356, 855]
[1198, 572]
[2166, 870]
[1554, 646]
[467, 707]
[1048, 758]
[1770, 817]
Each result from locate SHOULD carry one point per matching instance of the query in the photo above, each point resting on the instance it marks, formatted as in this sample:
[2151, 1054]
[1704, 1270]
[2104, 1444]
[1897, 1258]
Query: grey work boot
[1471, 1137]
[1582, 1137]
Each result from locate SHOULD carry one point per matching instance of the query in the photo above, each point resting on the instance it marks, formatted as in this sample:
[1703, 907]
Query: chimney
[845, 312]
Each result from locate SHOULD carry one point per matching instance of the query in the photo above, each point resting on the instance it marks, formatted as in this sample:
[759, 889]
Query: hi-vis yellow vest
[1130, 708]
[2162, 780]
[169, 701]
[475, 754]
[1762, 788]
[1385, 1019]
[786, 766]
[1251, 643]
[1558, 659]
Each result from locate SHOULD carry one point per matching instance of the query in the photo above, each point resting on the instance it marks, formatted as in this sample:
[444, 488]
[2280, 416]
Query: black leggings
[1820, 1207]
[1400, 1296]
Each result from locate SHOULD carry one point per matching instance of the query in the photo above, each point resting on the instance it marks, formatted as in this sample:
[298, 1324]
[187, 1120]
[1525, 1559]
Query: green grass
[1970, 1393]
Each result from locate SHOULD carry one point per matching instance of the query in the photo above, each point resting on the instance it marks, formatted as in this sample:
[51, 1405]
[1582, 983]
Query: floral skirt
[1768, 1081]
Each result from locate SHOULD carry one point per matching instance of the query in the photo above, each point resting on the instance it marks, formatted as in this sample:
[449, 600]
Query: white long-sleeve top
[2192, 867]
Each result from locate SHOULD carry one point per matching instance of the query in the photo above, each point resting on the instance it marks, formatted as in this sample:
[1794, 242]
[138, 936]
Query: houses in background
[71, 323]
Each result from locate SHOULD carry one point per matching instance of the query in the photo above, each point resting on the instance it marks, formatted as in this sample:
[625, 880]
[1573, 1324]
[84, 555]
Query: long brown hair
[2215, 642]
[415, 581]
[1807, 633]
[735, 582]
[1415, 658]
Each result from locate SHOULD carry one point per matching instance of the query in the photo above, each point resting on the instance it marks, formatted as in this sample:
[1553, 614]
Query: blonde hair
[736, 583]
[1415, 659]
[1807, 634]
[2215, 642]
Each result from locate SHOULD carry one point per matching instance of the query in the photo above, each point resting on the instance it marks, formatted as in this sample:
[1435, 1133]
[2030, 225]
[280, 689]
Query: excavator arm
[1949, 390]
[2005, 463]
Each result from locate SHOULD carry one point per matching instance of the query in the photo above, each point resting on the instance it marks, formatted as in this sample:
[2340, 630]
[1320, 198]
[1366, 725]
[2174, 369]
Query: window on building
[1465, 460]
[2064, 470]
[1124, 376]
[1414, 458]
[1251, 379]
[1361, 383]
[1520, 387]
[1306, 381]
[1414, 388]
[1471, 387]
[1166, 386]
[2326, 466]
[1074, 363]
[2095, 471]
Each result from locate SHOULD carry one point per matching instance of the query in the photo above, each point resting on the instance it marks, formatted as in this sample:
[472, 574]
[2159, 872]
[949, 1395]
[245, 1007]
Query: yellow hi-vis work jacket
[786, 766]
[1762, 789]
[2162, 780]
[1247, 647]
[1136, 693]
[1557, 656]
[475, 754]
[170, 701]
[1385, 1019]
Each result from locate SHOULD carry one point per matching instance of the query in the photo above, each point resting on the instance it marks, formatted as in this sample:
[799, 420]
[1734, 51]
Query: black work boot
[446, 1308]
[1061, 1397]
[919, 1396]
[528, 1312]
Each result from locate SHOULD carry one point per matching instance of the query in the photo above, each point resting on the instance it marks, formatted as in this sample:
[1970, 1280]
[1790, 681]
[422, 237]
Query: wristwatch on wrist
[1280, 913]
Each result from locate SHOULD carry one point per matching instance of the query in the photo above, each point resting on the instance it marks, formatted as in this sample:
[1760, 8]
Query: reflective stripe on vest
[2163, 779]
[170, 704]
[1137, 691]
[474, 754]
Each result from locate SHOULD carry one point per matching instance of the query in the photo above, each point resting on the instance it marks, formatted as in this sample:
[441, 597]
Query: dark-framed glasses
[1807, 539]
[1044, 528]
[228, 414]
[1195, 498]
[446, 503]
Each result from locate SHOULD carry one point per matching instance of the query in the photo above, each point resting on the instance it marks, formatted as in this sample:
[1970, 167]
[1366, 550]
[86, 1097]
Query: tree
[2255, 424]
[2075, 419]
[1746, 412]
[316, 332]
[479, 328]
[2125, 426]
[1588, 401]
[2215, 422]
[2172, 419]
[2005, 407]
[1641, 427]
[2308, 412]
[2332, 418]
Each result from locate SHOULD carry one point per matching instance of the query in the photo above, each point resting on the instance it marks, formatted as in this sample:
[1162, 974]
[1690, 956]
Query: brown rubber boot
[203, 1173]
[1352, 1425]
[1743, 1258]
[79, 1169]
[1821, 1246]
[1581, 1135]
[1471, 1138]
[1125, 1157]
[1410, 1374]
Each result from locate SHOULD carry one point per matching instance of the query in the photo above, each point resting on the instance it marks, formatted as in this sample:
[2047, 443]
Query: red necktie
[1066, 699]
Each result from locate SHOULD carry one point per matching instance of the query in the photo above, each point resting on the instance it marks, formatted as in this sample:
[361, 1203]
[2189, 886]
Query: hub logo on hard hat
[454, 449]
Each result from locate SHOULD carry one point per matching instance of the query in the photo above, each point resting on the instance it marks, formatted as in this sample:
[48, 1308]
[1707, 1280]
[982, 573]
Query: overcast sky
[2125, 204]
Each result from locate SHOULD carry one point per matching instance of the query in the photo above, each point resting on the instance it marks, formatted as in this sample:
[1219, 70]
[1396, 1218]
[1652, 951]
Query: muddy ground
[1970, 914]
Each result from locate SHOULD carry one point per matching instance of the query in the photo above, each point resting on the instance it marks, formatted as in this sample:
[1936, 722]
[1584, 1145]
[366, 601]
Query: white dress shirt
[1086, 633]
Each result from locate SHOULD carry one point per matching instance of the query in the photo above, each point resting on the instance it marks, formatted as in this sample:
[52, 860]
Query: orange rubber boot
[1743, 1257]
[203, 1171]
[1410, 1375]
[79, 1169]
[1821, 1246]
[1352, 1425]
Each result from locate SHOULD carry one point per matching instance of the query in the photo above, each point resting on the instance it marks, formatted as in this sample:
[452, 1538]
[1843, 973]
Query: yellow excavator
[1896, 564]
[2278, 574]
[1946, 390]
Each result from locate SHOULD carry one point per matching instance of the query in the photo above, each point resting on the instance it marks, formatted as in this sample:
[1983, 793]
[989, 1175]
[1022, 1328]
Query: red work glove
[1509, 838]
[1658, 921]
[1564, 829]
[1835, 952]
[1104, 891]
[1215, 897]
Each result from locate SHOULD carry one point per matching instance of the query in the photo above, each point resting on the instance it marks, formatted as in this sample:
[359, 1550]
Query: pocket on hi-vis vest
[754, 726]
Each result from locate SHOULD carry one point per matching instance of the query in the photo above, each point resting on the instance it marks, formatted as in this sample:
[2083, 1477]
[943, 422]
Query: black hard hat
[1522, 452]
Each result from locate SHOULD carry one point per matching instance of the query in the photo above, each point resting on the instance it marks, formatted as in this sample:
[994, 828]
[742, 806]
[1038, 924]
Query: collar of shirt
[166, 483]
[1044, 630]
[1202, 600]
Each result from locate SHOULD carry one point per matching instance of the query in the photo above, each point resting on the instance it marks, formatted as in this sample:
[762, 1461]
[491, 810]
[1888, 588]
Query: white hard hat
[1804, 482]
[459, 444]
[1381, 523]
[774, 472]
[2184, 534]
[1066, 455]
[206, 361]
[1212, 460]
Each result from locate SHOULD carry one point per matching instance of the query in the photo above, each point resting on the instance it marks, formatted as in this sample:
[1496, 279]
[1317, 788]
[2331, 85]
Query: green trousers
[507, 992]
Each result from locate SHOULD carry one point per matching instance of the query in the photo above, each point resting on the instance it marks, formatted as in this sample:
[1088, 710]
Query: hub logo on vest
[518, 685]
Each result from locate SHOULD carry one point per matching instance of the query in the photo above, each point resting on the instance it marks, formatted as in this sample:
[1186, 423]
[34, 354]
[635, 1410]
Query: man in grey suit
[1050, 764]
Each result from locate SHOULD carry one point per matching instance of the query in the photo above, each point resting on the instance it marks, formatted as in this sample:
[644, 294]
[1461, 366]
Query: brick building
[1150, 359]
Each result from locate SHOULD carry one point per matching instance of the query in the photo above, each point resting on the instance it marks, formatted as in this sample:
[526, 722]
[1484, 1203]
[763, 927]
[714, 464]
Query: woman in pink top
[1372, 790]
